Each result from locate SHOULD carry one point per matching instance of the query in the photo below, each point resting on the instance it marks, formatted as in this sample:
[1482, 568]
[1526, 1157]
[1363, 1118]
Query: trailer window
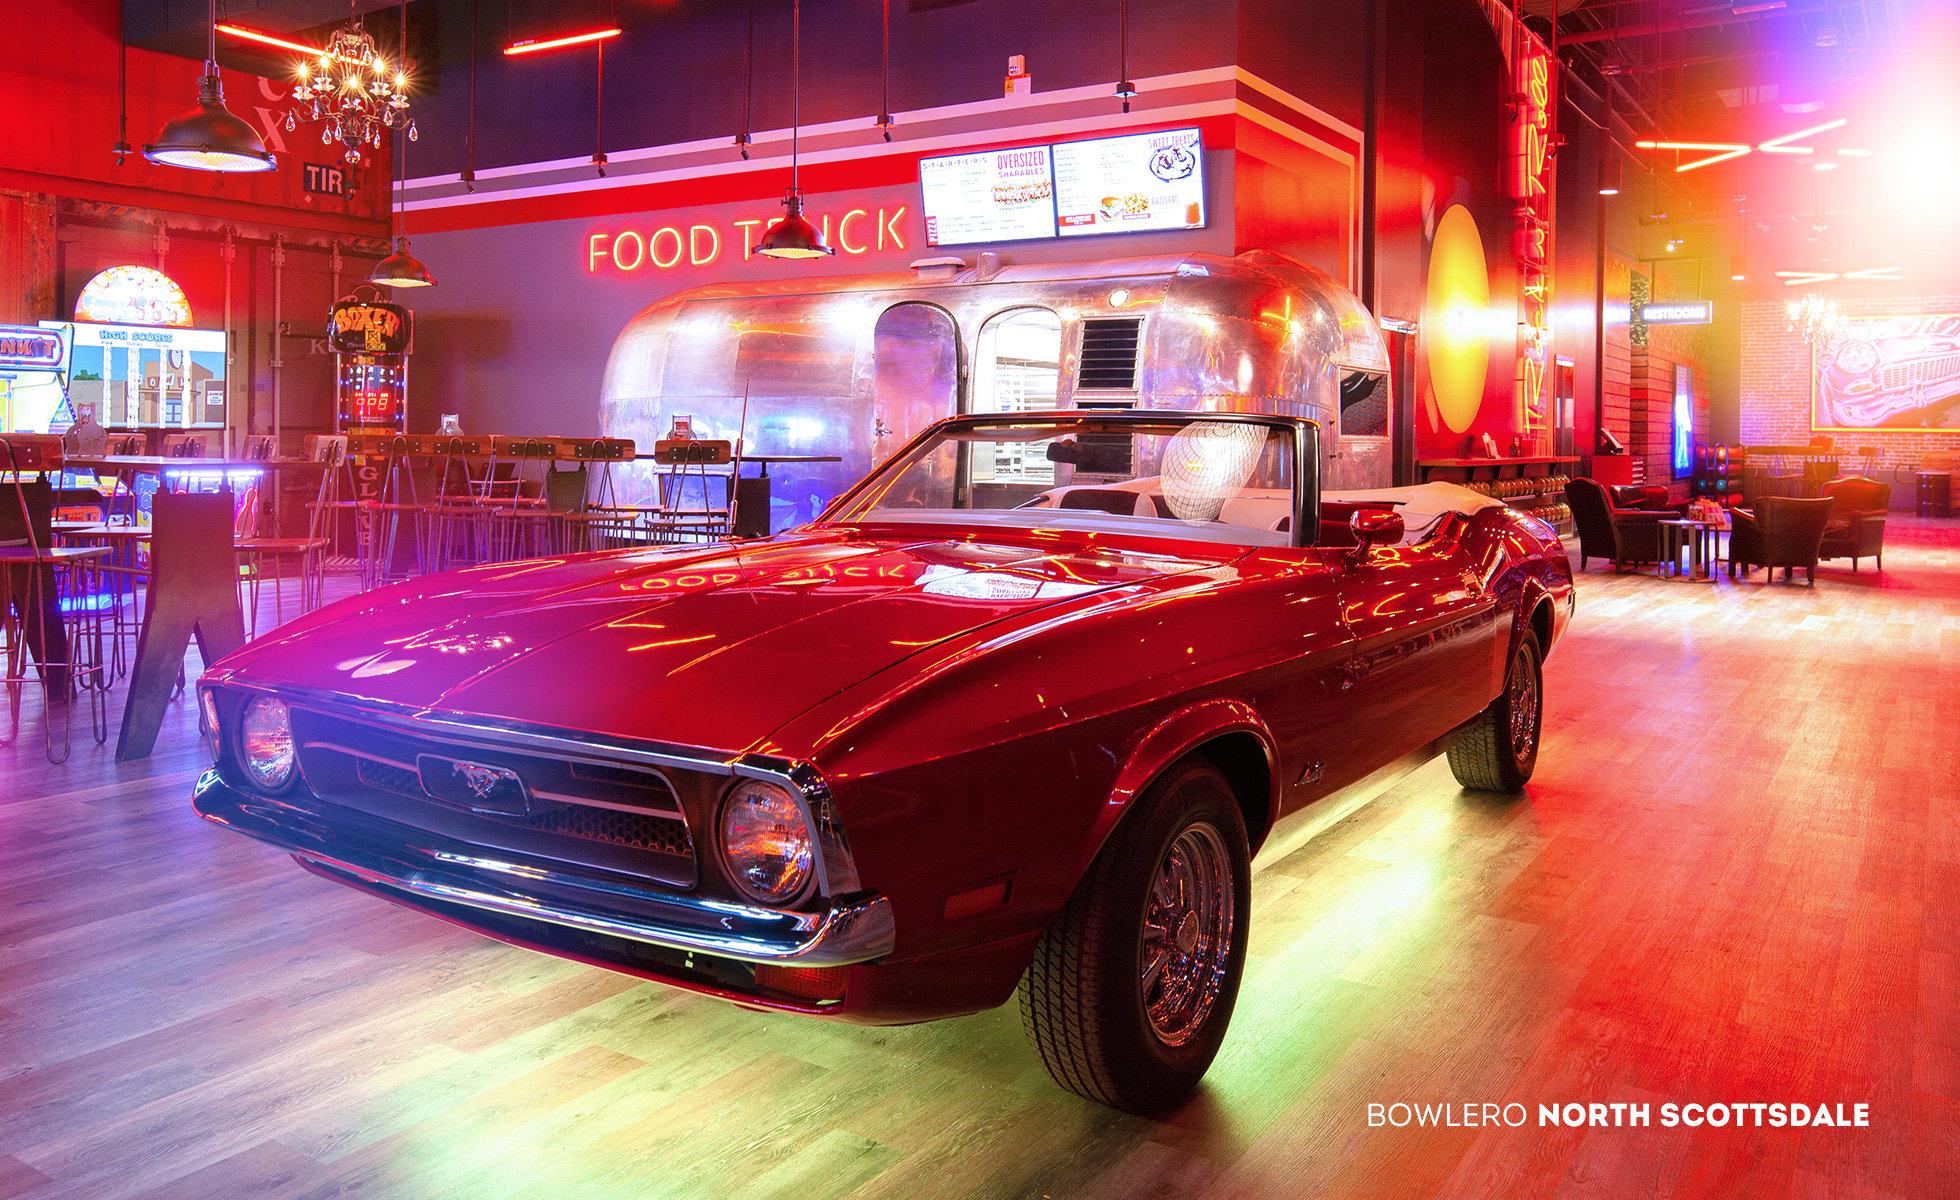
[1364, 404]
[1018, 369]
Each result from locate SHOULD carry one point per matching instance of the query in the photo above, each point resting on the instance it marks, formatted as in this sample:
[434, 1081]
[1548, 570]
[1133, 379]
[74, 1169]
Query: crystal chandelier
[353, 92]
[1815, 319]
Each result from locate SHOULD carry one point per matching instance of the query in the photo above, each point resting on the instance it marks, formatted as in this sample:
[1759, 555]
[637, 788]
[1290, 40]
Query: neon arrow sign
[1719, 152]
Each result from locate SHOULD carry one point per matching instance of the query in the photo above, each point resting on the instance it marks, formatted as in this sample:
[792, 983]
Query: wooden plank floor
[1736, 877]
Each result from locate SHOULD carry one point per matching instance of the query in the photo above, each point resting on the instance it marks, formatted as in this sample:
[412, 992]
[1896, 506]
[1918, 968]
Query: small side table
[1698, 538]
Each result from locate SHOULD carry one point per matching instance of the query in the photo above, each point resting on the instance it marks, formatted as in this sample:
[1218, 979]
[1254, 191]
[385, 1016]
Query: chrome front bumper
[415, 864]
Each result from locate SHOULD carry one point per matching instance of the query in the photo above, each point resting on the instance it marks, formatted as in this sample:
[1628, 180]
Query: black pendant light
[209, 137]
[401, 269]
[794, 236]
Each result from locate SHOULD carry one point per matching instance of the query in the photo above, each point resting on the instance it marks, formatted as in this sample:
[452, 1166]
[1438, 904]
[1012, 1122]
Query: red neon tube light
[534, 45]
[253, 35]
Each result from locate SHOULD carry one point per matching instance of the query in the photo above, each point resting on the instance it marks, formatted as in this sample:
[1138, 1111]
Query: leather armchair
[1857, 526]
[1780, 532]
[1608, 531]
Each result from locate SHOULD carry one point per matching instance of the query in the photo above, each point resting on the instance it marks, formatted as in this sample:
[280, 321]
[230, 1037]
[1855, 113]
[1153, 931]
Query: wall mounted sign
[370, 327]
[324, 179]
[854, 232]
[24, 348]
[1455, 319]
[1678, 312]
[1530, 185]
[1126, 184]
[130, 295]
[1899, 373]
[146, 376]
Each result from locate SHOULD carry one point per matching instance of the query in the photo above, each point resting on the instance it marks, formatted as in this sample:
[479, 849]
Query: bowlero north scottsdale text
[1621, 1115]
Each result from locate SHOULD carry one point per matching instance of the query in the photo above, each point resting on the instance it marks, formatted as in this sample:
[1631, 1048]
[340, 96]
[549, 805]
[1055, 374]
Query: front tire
[1498, 750]
[1132, 986]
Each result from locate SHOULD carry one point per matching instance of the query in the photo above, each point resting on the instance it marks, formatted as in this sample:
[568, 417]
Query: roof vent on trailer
[1109, 354]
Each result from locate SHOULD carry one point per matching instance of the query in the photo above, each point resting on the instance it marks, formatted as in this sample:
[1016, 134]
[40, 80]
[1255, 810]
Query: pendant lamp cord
[469, 170]
[121, 149]
[1123, 47]
[885, 110]
[748, 87]
[211, 41]
[401, 168]
[795, 87]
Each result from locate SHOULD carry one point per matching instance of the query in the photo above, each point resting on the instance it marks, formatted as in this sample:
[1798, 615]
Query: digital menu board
[991, 196]
[1129, 184]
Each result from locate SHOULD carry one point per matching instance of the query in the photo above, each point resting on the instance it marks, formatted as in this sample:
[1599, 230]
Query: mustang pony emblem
[482, 780]
[476, 786]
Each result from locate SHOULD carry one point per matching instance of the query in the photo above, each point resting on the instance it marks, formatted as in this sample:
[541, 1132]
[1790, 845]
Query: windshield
[1192, 476]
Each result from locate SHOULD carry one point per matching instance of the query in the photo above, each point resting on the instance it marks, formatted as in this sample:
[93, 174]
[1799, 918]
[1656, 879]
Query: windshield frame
[1304, 435]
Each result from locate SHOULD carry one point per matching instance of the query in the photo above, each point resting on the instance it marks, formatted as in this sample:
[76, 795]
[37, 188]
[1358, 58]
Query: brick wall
[1651, 413]
[1775, 394]
[1616, 360]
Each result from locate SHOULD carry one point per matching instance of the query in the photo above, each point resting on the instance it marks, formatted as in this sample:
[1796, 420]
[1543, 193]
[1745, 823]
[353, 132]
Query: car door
[1425, 627]
[1305, 702]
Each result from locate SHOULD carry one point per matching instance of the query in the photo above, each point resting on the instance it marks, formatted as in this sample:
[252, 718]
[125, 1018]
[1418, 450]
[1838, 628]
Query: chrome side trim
[855, 931]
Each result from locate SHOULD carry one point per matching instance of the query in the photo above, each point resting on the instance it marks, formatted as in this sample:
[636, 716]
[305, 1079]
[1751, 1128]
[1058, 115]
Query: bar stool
[306, 553]
[50, 616]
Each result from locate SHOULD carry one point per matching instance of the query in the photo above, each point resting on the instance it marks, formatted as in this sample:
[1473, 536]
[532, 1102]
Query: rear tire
[1132, 986]
[1497, 751]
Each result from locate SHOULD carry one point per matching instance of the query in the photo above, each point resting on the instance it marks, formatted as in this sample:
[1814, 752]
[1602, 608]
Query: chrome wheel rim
[1523, 705]
[1187, 935]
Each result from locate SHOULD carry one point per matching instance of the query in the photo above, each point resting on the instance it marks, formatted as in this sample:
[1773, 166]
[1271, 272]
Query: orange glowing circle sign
[1456, 318]
[130, 295]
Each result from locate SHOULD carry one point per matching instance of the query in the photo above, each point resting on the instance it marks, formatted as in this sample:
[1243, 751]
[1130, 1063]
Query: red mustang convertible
[1013, 714]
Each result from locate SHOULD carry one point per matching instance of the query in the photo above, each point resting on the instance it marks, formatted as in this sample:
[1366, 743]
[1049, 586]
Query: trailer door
[916, 373]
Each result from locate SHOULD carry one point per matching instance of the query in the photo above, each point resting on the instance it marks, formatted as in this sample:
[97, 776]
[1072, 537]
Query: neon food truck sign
[699, 244]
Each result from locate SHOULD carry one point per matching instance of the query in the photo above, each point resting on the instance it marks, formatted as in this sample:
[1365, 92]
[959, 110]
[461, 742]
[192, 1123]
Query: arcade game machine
[33, 394]
[371, 340]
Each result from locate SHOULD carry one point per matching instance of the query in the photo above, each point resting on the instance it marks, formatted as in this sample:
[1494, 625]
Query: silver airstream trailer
[854, 366]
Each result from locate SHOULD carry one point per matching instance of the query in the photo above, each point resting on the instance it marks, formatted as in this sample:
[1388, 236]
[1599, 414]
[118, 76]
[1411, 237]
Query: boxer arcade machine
[371, 340]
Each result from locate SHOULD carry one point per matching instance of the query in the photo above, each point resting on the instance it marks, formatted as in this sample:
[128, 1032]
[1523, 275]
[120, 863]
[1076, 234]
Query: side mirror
[1373, 527]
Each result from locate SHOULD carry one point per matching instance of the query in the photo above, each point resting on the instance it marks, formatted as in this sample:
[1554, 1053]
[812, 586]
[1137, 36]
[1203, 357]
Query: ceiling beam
[1699, 19]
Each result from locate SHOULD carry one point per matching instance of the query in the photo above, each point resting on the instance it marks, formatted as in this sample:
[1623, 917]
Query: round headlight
[265, 743]
[766, 842]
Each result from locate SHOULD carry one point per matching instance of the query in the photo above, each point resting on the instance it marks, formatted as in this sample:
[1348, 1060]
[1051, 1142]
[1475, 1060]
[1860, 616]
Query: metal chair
[687, 510]
[50, 612]
[306, 553]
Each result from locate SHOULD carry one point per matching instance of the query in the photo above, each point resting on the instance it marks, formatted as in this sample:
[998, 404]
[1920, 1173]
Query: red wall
[59, 94]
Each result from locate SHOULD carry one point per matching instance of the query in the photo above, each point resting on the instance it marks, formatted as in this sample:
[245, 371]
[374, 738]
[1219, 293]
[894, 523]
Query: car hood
[713, 647]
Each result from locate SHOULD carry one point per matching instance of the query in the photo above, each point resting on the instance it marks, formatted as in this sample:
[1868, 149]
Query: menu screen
[992, 196]
[1130, 184]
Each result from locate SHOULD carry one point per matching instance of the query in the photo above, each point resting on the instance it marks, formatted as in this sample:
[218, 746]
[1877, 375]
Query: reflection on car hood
[708, 646]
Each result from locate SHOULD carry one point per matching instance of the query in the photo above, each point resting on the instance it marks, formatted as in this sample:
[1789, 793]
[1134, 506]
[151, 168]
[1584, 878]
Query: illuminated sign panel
[1129, 184]
[992, 196]
[699, 244]
[1530, 185]
[370, 327]
[1678, 312]
[146, 375]
[29, 349]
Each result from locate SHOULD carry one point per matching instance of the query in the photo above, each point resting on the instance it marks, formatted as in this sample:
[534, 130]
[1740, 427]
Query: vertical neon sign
[1530, 186]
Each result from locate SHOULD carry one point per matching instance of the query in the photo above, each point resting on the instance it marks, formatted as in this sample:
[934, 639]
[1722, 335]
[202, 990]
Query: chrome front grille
[587, 811]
